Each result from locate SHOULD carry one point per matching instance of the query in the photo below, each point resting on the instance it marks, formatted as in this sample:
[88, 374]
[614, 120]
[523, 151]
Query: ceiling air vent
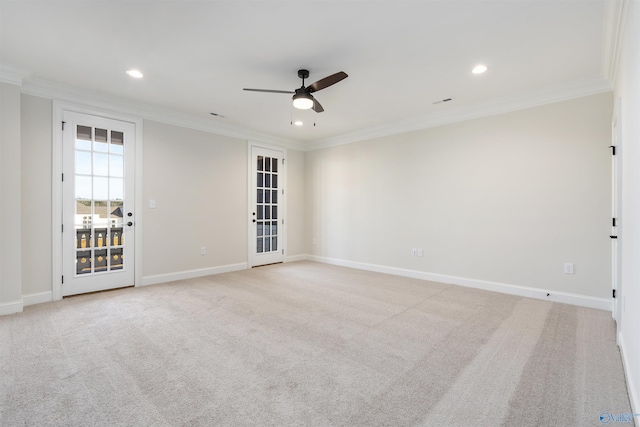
[442, 101]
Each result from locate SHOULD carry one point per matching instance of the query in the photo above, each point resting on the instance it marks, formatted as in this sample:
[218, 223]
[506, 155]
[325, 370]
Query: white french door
[266, 227]
[616, 197]
[97, 203]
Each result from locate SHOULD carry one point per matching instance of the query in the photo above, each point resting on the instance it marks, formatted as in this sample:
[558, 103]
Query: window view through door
[97, 204]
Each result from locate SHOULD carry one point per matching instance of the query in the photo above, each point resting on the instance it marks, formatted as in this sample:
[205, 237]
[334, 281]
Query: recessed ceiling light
[479, 69]
[298, 123]
[135, 74]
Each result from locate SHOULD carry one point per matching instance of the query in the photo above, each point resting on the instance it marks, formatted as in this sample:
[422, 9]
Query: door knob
[129, 223]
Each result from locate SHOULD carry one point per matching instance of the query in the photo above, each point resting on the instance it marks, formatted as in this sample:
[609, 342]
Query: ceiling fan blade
[316, 106]
[269, 90]
[327, 81]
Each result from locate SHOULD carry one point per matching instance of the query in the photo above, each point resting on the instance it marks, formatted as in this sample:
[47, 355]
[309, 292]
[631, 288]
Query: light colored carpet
[308, 344]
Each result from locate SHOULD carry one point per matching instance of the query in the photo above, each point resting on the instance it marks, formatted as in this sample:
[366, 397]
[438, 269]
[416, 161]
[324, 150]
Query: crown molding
[615, 14]
[571, 90]
[69, 94]
[12, 75]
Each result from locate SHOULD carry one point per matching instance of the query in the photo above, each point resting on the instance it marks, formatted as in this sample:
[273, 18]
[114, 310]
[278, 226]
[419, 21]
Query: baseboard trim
[294, 258]
[554, 296]
[37, 298]
[632, 389]
[191, 274]
[11, 307]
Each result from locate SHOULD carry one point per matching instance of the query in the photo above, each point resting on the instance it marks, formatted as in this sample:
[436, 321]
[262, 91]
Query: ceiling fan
[302, 97]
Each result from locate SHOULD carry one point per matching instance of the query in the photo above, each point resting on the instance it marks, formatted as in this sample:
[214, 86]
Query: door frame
[251, 257]
[616, 212]
[59, 109]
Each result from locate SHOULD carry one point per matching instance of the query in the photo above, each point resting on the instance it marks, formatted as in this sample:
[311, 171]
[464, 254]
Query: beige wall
[10, 222]
[295, 203]
[36, 149]
[199, 183]
[198, 180]
[507, 199]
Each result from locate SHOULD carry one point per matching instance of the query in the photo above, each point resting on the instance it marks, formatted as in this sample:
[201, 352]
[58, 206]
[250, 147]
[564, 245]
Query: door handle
[614, 237]
[254, 220]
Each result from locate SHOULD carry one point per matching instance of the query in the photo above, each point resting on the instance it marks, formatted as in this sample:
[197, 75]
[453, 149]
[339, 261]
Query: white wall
[10, 200]
[506, 199]
[627, 89]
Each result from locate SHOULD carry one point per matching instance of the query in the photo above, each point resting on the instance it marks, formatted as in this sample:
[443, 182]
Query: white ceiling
[401, 56]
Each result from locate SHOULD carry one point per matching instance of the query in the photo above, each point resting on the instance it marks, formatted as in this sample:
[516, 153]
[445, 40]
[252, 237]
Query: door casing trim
[59, 109]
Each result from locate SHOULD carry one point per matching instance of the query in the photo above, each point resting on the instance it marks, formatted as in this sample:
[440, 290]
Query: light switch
[152, 204]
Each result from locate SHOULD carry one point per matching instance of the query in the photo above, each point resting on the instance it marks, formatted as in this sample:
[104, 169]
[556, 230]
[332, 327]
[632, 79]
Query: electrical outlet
[414, 252]
[203, 250]
[568, 268]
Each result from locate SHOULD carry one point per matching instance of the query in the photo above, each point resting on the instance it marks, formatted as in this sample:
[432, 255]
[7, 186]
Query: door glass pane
[260, 163]
[274, 212]
[260, 196]
[267, 180]
[83, 187]
[274, 184]
[100, 188]
[274, 243]
[274, 165]
[100, 142]
[116, 188]
[274, 196]
[83, 137]
[100, 260]
[267, 164]
[117, 142]
[100, 164]
[260, 179]
[83, 262]
[116, 259]
[267, 228]
[259, 245]
[116, 213]
[274, 227]
[260, 228]
[116, 165]
[83, 162]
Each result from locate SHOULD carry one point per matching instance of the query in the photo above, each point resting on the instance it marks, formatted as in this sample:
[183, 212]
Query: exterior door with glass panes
[98, 219]
[266, 213]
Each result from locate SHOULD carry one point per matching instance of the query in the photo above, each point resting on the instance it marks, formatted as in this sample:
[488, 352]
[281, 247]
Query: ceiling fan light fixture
[302, 101]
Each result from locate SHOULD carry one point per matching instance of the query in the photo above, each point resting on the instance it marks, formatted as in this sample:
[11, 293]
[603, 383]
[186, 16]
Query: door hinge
[63, 125]
[613, 222]
[283, 221]
[283, 252]
[62, 228]
[614, 293]
[62, 177]
[62, 278]
[283, 161]
[613, 150]
[283, 191]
